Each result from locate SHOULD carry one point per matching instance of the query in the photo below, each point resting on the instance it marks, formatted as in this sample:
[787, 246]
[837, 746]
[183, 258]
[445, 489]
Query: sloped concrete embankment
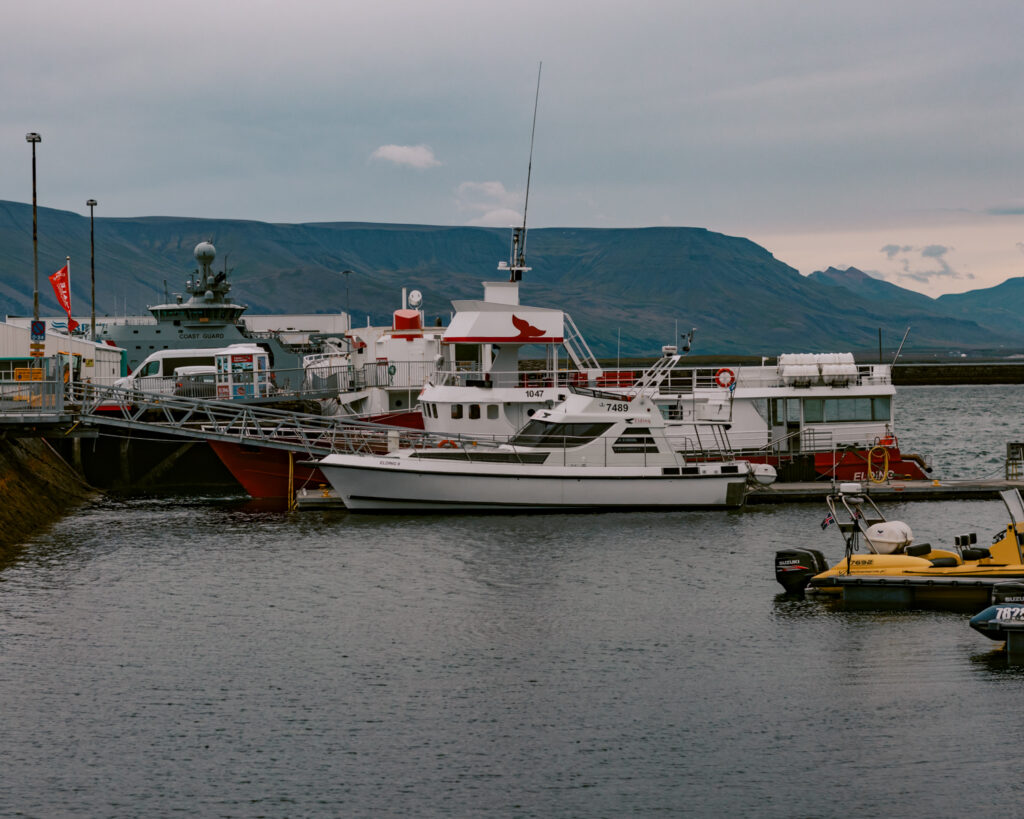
[37, 488]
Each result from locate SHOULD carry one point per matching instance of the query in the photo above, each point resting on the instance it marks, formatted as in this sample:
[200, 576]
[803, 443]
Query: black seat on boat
[917, 549]
[941, 562]
[976, 553]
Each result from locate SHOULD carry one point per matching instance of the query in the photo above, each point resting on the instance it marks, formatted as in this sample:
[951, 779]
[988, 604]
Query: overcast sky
[888, 136]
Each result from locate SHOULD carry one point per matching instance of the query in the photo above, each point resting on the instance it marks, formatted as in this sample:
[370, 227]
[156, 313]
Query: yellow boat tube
[891, 560]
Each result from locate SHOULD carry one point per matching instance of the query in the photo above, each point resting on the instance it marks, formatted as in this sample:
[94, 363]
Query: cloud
[489, 204]
[922, 264]
[892, 251]
[1005, 210]
[415, 156]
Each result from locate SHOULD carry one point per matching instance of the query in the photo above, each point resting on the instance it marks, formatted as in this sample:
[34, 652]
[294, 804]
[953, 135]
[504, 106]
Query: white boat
[591, 451]
[376, 373]
[812, 415]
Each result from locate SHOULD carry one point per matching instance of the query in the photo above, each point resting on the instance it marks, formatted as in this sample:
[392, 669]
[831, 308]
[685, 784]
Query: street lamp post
[32, 137]
[92, 264]
[348, 311]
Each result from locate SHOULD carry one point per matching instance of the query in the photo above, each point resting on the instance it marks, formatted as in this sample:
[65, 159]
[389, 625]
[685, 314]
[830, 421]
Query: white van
[156, 372]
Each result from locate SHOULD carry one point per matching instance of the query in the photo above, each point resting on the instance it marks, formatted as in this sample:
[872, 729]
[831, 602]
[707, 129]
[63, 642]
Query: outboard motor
[795, 567]
[1006, 612]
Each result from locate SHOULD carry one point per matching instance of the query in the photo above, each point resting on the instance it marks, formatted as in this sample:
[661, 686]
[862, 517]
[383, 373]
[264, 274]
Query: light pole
[33, 138]
[348, 311]
[92, 265]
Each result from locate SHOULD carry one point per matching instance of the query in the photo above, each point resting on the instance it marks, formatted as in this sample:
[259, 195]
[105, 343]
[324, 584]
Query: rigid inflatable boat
[882, 564]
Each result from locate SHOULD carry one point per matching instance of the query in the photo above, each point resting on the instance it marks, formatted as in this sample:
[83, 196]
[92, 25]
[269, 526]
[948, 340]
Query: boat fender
[725, 377]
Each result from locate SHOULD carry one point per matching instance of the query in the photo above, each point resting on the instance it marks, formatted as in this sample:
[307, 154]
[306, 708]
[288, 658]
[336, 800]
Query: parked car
[196, 381]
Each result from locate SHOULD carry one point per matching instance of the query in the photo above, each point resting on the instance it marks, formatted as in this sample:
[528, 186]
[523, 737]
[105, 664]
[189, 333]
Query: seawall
[956, 372]
[37, 488]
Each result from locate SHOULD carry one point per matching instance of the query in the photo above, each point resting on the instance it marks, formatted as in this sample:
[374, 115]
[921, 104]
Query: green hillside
[645, 284]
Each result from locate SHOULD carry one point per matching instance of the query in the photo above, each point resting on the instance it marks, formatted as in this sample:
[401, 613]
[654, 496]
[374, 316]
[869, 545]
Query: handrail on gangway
[230, 421]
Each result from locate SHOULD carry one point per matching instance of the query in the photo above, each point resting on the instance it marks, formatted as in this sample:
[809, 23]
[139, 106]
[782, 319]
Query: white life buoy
[725, 377]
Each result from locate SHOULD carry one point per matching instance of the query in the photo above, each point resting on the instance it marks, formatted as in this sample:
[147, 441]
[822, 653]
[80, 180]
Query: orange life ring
[725, 377]
[447, 442]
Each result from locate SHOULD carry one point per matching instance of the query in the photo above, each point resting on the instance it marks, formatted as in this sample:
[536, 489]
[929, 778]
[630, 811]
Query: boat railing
[710, 444]
[125, 321]
[471, 376]
[692, 379]
[791, 447]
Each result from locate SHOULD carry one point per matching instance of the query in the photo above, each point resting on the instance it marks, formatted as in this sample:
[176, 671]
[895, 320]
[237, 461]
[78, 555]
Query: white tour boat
[811, 415]
[591, 451]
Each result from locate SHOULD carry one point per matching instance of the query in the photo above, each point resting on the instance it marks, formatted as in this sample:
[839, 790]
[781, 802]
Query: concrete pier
[816, 491]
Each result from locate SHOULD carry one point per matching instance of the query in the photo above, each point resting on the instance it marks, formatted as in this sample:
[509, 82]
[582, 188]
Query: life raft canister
[725, 377]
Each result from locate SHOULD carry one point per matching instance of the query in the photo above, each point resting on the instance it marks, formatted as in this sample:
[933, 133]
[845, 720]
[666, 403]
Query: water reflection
[491, 664]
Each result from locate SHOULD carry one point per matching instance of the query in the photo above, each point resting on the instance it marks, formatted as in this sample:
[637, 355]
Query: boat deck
[917, 490]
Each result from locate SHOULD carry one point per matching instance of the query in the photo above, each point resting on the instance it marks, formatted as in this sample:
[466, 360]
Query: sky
[885, 136]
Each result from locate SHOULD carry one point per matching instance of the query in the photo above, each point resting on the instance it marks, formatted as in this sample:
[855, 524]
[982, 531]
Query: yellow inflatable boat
[883, 564]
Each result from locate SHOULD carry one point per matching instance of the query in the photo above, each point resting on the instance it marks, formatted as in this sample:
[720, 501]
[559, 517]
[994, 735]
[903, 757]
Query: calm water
[201, 657]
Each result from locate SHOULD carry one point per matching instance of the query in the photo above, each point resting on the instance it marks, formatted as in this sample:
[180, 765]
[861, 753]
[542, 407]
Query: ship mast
[517, 258]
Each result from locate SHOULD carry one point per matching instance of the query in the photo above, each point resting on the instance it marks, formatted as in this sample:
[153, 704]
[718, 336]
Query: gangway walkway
[229, 421]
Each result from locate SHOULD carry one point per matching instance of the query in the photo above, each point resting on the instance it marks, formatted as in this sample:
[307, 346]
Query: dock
[814, 492]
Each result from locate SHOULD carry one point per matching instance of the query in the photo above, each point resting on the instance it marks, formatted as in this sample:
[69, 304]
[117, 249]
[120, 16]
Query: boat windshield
[543, 433]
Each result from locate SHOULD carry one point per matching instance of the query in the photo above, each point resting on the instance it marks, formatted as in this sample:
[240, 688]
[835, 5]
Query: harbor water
[205, 656]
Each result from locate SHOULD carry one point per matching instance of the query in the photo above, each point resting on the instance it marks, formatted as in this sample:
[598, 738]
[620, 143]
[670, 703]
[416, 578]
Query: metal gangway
[238, 422]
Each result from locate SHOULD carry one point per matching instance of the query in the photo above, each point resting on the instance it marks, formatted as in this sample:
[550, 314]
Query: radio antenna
[517, 264]
[529, 164]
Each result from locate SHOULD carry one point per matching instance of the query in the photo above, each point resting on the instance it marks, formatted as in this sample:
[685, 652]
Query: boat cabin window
[635, 440]
[492, 412]
[786, 411]
[474, 411]
[544, 433]
[832, 410]
[456, 411]
[467, 357]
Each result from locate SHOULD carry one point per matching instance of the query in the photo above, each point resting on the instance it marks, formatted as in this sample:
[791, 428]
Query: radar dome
[205, 253]
[415, 299]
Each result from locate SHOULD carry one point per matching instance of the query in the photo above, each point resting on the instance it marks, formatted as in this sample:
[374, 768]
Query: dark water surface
[200, 657]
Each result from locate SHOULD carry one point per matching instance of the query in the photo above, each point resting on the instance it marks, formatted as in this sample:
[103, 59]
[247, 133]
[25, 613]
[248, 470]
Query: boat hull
[970, 590]
[848, 465]
[375, 484]
[263, 471]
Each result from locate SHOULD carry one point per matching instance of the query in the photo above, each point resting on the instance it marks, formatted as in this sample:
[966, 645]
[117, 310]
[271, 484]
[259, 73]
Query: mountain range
[629, 290]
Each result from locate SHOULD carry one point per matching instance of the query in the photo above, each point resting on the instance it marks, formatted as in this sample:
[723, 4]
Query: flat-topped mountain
[641, 285]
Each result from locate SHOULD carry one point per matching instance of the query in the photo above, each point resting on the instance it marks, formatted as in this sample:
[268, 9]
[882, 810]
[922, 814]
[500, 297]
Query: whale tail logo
[526, 330]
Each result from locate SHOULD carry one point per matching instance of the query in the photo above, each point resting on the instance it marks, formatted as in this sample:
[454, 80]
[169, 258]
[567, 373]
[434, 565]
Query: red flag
[61, 281]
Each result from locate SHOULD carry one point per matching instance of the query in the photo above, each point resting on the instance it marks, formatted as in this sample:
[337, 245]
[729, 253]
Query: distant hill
[643, 285]
[998, 307]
